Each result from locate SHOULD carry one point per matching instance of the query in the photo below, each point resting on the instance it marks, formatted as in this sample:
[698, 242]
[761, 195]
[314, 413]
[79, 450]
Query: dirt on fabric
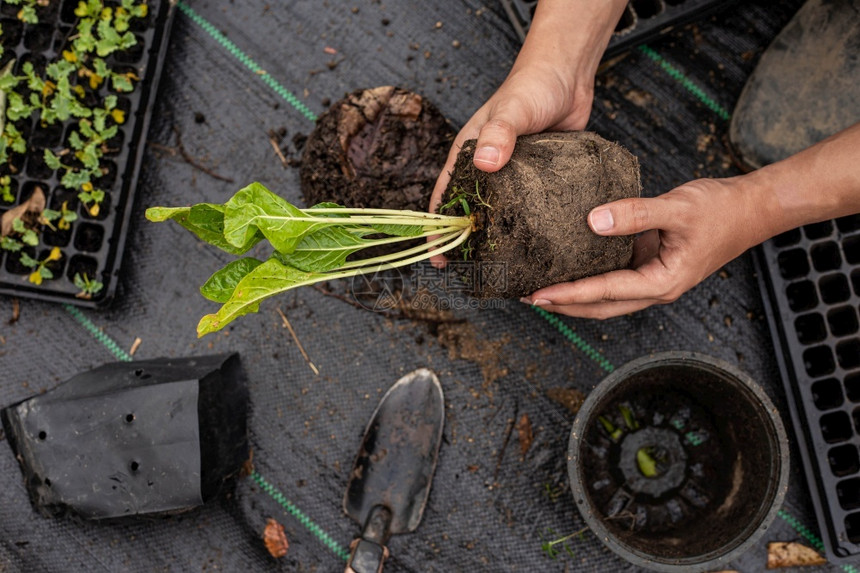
[530, 216]
[462, 342]
[376, 148]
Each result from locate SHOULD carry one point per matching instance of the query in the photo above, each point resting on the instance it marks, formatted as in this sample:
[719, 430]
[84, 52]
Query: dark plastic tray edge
[653, 27]
[811, 470]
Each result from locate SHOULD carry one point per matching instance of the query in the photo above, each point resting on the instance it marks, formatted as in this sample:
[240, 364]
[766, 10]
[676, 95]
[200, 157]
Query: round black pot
[678, 462]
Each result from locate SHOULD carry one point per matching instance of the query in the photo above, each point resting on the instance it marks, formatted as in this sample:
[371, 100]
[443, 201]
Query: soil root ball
[530, 217]
[379, 148]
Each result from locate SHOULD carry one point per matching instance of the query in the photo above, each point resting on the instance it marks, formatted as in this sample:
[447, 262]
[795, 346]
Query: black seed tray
[93, 245]
[810, 283]
[641, 21]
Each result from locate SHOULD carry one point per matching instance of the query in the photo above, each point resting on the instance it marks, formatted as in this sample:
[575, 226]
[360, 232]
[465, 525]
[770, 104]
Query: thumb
[497, 139]
[629, 216]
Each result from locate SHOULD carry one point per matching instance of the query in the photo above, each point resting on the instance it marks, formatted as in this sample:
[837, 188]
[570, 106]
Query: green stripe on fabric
[247, 61]
[124, 356]
[97, 333]
[686, 82]
[575, 338]
[321, 535]
[811, 537]
[800, 528]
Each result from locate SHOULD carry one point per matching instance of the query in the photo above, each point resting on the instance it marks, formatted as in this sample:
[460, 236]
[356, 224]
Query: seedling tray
[94, 244]
[810, 283]
[641, 20]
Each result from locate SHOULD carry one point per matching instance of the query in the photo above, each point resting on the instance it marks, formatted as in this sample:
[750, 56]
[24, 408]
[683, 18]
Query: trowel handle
[366, 557]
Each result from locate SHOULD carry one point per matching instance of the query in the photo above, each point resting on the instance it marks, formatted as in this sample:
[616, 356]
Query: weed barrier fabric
[231, 73]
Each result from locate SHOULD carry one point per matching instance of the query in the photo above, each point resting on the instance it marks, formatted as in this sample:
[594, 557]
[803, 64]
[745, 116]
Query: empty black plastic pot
[678, 462]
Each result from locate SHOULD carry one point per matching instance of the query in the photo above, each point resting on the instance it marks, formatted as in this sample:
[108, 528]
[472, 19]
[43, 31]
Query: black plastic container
[810, 283]
[641, 20]
[133, 438]
[94, 245]
[678, 462]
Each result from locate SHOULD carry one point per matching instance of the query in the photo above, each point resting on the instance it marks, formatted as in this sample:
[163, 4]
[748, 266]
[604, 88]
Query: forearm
[572, 33]
[817, 184]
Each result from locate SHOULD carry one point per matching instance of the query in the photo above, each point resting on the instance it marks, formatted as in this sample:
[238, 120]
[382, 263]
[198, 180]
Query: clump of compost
[529, 218]
[376, 148]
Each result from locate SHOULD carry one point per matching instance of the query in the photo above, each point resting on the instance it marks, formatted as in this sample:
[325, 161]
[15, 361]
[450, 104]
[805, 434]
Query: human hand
[687, 234]
[550, 87]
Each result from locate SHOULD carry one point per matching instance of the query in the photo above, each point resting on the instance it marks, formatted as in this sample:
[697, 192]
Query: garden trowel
[391, 477]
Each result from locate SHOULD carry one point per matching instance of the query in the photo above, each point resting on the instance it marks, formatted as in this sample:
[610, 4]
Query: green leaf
[89, 156]
[75, 179]
[8, 82]
[30, 238]
[121, 83]
[75, 140]
[59, 70]
[256, 209]
[268, 279]
[51, 215]
[16, 107]
[324, 250]
[400, 230]
[51, 160]
[206, 220]
[28, 14]
[221, 285]
[100, 67]
[647, 464]
[28, 261]
[330, 205]
[10, 244]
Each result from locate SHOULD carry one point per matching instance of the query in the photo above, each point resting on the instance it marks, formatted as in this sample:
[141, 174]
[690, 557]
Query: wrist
[819, 183]
[573, 33]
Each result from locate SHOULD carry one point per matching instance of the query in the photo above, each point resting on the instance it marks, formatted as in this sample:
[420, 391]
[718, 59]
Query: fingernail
[601, 220]
[542, 302]
[488, 156]
[526, 300]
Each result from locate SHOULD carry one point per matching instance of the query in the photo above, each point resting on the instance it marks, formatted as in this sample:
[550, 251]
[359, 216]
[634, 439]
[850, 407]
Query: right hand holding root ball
[696, 228]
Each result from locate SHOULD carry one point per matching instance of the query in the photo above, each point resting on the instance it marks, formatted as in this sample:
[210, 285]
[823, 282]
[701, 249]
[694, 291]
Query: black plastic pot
[678, 462]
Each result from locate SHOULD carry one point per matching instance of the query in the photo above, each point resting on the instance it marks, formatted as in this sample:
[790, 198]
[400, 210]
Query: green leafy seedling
[6, 189]
[63, 218]
[27, 235]
[27, 13]
[551, 548]
[310, 245]
[646, 462]
[88, 287]
[614, 433]
[629, 419]
[10, 244]
[40, 268]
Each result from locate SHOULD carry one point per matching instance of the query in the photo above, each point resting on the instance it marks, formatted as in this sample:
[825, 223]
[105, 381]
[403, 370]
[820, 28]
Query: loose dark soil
[379, 148]
[534, 233]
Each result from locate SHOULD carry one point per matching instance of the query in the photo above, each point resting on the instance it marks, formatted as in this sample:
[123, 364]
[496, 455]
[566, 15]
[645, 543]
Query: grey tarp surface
[305, 428]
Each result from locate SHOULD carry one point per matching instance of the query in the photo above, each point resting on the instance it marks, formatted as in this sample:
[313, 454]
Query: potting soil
[243, 78]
